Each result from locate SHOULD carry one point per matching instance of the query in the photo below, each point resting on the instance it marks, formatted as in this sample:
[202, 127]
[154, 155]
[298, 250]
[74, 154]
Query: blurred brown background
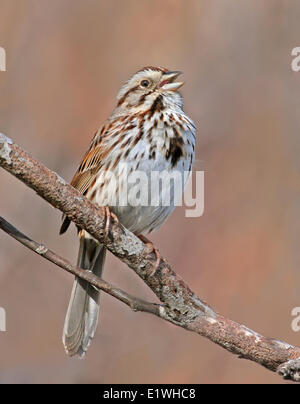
[66, 60]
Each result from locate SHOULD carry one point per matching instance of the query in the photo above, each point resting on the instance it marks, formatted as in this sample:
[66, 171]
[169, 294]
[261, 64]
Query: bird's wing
[86, 173]
[102, 145]
[88, 169]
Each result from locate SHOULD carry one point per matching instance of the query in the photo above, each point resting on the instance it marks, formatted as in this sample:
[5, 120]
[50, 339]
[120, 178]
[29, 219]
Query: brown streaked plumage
[148, 132]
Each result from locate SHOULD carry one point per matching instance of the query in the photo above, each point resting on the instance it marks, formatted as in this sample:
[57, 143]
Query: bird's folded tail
[82, 315]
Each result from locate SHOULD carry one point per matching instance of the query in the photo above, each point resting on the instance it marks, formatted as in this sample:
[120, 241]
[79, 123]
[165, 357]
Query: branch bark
[179, 306]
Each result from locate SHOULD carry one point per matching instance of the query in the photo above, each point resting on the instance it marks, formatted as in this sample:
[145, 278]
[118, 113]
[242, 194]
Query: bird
[147, 132]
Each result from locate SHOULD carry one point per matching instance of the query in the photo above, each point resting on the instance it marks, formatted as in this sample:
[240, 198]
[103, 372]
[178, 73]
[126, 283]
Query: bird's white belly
[143, 193]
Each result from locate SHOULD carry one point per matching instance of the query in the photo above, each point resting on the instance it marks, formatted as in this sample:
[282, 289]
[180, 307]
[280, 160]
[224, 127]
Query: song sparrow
[147, 132]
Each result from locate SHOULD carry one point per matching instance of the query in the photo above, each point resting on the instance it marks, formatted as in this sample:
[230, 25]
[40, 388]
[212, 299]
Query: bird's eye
[145, 83]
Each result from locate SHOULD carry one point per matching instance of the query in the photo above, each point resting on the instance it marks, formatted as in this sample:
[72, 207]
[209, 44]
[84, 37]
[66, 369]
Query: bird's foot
[109, 215]
[151, 249]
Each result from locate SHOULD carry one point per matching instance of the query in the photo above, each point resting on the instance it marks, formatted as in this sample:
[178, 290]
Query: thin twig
[40, 249]
[180, 305]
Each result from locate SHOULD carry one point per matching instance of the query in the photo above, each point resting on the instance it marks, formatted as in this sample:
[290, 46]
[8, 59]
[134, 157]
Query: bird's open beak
[167, 82]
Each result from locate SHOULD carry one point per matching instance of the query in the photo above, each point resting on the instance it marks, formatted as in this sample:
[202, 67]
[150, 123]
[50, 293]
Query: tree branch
[134, 303]
[180, 305]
